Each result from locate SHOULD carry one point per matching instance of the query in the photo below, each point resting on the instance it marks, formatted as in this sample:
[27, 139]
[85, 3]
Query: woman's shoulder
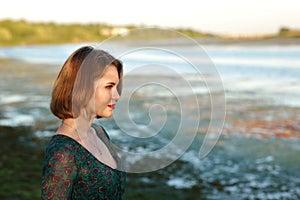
[61, 144]
[61, 152]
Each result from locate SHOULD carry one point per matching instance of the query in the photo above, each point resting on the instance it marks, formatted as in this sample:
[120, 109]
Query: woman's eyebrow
[112, 83]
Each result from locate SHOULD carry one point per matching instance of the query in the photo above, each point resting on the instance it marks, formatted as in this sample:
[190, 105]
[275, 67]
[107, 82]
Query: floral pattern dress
[70, 171]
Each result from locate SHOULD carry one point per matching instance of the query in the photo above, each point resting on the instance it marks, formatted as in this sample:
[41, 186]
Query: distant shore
[14, 33]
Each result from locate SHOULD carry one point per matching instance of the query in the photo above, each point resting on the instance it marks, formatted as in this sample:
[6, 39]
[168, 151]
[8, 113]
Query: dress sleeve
[59, 173]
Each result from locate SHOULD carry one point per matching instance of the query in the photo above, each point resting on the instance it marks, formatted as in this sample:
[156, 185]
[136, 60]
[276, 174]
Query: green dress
[70, 171]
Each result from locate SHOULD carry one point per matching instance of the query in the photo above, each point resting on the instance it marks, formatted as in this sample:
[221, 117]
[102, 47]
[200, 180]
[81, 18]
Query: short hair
[74, 85]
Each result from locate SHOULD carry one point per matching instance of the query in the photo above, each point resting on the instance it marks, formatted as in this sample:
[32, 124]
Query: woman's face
[106, 94]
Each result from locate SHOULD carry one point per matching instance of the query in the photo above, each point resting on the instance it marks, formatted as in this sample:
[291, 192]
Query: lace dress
[70, 171]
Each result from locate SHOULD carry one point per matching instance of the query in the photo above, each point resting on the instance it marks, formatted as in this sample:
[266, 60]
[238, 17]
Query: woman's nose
[115, 95]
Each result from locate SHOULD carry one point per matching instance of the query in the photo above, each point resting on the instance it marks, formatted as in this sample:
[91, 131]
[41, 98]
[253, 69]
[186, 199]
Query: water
[270, 71]
[257, 157]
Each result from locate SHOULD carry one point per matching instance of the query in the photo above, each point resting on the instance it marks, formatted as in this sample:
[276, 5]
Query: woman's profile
[79, 161]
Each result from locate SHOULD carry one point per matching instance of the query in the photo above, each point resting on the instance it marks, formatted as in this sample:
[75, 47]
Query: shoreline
[252, 41]
[208, 41]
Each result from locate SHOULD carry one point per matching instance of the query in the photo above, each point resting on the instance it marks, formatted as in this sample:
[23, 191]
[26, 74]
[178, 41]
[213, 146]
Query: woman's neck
[78, 128]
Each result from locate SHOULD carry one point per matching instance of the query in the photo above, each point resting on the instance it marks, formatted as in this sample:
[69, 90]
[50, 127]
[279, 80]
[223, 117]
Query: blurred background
[253, 45]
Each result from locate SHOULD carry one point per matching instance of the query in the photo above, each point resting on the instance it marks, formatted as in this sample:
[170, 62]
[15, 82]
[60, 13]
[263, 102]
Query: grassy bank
[26, 33]
[21, 158]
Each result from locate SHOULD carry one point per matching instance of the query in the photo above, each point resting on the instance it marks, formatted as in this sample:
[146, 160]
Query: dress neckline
[88, 152]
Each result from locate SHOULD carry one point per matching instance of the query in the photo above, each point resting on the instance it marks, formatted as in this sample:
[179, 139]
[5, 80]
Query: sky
[235, 17]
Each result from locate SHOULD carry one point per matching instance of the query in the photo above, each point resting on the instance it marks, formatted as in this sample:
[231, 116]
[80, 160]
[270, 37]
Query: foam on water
[181, 183]
[14, 98]
[15, 119]
[43, 134]
[237, 170]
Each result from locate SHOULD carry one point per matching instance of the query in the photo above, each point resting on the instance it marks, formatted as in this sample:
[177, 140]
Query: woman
[79, 160]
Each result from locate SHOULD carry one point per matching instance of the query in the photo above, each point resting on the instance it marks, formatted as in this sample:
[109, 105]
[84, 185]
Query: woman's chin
[104, 115]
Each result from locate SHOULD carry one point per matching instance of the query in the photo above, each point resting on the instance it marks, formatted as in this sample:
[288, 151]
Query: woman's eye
[109, 86]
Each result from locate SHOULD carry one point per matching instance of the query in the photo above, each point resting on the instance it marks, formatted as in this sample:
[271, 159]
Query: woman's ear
[85, 113]
[119, 87]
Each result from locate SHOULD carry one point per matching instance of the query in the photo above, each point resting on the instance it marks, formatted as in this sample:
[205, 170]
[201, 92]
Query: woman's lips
[112, 106]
